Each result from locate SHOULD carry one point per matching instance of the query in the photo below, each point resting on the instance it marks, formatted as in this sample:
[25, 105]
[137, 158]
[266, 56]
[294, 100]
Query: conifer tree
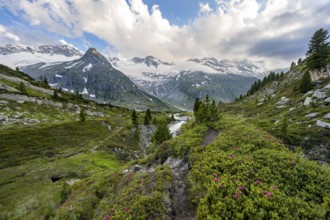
[162, 133]
[55, 95]
[135, 119]
[22, 88]
[214, 111]
[306, 83]
[317, 54]
[82, 115]
[196, 108]
[147, 117]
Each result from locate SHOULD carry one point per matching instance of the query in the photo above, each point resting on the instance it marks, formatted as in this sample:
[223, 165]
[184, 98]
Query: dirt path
[180, 204]
[209, 137]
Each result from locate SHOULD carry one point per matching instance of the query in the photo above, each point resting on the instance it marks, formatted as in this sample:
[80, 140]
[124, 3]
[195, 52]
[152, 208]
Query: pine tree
[196, 108]
[45, 81]
[22, 88]
[82, 115]
[293, 65]
[147, 117]
[317, 54]
[306, 83]
[134, 118]
[162, 133]
[214, 115]
[172, 117]
[55, 95]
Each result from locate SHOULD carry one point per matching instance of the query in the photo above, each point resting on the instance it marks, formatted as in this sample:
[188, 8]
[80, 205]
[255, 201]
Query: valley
[154, 110]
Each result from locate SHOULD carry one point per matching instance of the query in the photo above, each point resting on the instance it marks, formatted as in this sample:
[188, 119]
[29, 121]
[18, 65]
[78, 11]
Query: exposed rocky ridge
[95, 78]
[65, 50]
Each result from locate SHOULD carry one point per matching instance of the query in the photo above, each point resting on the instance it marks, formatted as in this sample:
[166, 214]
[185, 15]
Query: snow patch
[92, 95]
[88, 67]
[59, 76]
[85, 91]
[85, 78]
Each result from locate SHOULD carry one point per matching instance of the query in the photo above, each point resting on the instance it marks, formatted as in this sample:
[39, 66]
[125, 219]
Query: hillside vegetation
[63, 157]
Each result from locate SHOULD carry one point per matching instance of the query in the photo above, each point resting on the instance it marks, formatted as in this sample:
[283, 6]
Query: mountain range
[175, 83]
[94, 77]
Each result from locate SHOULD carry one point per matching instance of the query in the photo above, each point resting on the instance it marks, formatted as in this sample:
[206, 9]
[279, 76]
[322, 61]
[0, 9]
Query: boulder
[318, 94]
[322, 124]
[307, 101]
[311, 115]
[283, 101]
[327, 100]
[326, 88]
[327, 116]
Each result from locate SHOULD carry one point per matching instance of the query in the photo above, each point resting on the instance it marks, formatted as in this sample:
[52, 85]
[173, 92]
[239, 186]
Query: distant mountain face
[149, 61]
[238, 67]
[21, 55]
[93, 76]
[180, 83]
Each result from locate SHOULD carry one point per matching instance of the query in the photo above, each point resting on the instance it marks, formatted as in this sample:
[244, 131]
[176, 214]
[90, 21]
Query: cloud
[7, 37]
[276, 31]
[204, 8]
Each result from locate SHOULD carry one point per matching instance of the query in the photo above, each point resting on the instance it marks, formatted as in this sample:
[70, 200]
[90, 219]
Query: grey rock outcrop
[322, 124]
[318, 94]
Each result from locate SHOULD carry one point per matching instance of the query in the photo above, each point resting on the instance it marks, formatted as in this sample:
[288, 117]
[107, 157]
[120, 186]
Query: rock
[280, 106]
[283, 101]
[322, 124]
[2, 102]
[326, 88]
[327, 100]
[311, 115]
[291, 109]
[309, 93]
[109, 128]
[309, 126]
[99, 114]
[327, 116]
[318, 94]
[20, 102]
[136, 168]
[307, 101]
[89, 113]
[277, 121]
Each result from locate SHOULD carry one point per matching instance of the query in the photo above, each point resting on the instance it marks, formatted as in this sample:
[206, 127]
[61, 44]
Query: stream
[175, 127]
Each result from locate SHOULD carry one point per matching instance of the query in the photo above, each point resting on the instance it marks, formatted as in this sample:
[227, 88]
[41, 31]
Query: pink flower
[267, 193]
[236, 181]
[220, 186]
[233, 156]
[240, 188]
[216, 179]
[236, 196]
[214, 174]
[275, 187]
[106, 217]
[258, 181]
[126, 209]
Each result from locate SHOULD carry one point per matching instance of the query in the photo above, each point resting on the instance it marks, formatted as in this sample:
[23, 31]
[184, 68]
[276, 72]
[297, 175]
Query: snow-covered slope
[180, 83]
[22, 55]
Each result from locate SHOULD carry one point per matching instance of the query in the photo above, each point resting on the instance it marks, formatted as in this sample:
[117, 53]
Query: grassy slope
[269, 118]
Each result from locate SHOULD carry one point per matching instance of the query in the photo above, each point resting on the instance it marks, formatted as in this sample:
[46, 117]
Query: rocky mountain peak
[93, 56]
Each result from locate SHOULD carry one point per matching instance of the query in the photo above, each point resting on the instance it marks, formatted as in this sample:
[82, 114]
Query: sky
[275, 32]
